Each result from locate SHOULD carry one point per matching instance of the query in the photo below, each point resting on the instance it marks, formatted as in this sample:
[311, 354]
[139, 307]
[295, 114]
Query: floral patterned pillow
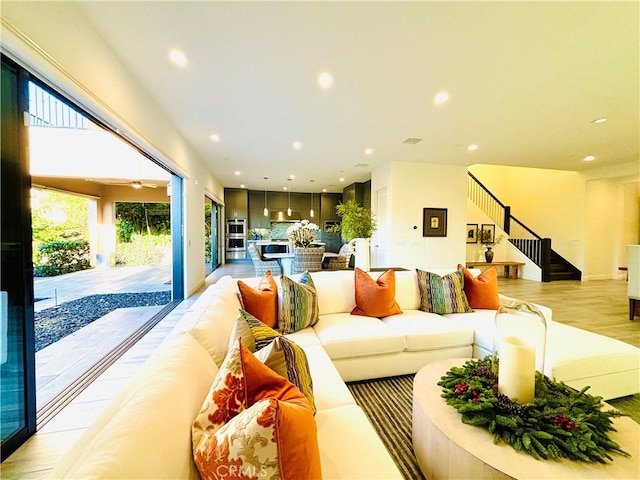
[270, 439]
[221, 430]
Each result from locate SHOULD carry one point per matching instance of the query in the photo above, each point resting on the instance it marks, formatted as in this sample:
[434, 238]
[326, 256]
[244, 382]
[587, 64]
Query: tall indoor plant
[357, 226]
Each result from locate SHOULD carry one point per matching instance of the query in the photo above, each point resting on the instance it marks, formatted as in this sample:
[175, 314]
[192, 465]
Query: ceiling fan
[139, 184]
[130, 183]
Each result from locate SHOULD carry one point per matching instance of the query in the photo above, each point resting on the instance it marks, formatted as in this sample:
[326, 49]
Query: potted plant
[357, 226]
[485, 238]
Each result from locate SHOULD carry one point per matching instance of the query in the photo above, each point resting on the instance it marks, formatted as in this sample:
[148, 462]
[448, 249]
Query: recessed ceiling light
[599, 120]
[324, 190]
[291, 177]
[325, 80]
[237, 172]
[177, 57]
[214, 137]
[284, 188]
[472, 147]
[440, 98]
[242, 185]
[297, 145]
[589, 158]
[342, 179]
[368, 151]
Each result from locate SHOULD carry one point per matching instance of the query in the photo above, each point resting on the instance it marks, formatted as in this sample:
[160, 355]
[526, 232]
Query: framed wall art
[488, 233]
[472, 233]
[434, 222]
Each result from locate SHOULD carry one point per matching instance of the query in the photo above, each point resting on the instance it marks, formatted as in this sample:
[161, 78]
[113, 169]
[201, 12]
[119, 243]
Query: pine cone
[507, 405]
[484, 372]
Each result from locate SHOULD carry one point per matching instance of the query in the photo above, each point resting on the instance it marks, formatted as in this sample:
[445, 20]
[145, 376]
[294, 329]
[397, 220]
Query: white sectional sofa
[145, 432]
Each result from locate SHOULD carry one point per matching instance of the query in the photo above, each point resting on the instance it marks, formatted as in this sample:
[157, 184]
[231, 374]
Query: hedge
[57, 258]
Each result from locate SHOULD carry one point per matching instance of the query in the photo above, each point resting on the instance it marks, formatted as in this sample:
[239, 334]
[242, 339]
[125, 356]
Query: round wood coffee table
[446, 448]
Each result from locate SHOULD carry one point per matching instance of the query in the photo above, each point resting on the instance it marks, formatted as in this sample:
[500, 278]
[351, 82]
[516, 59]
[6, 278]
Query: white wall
[56, 42]
[606, 248]
[411, 187]
[630, 218]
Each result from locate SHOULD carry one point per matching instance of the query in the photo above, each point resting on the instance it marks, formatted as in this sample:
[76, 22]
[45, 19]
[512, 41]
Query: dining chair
[260, 264]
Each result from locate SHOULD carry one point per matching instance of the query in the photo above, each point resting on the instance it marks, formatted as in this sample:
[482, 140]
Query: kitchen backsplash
[279, 230]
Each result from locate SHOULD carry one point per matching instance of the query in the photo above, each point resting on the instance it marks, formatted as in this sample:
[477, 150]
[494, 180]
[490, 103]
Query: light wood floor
[599, 306]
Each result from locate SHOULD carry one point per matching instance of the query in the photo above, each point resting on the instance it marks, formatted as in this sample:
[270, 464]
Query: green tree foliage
[208, 211]
[60, 232]
[142, 218]
[357, 221]
[58, 216]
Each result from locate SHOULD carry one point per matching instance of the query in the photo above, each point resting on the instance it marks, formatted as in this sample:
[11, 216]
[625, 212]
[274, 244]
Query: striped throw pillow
[280, 354]
[297, 304]
[288, 360]
[442, 294]
[254, 333]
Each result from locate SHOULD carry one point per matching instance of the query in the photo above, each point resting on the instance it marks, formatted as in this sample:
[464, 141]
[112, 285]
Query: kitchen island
[273, 246]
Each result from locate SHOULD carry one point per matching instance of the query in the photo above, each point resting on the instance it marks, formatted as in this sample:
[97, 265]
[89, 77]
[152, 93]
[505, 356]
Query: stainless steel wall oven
[236, 238]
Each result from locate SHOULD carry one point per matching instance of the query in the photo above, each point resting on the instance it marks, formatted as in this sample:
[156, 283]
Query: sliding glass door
[211, 213]
[138, 271]
[16, 286]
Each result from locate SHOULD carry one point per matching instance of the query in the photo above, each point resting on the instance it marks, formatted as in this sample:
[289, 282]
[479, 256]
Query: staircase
[536, 248]
[561, 269]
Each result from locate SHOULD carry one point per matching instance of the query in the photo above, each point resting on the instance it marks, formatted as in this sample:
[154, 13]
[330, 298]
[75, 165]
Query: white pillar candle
[517, 370]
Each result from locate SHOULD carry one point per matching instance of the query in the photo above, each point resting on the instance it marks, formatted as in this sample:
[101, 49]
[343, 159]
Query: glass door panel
[17, 388]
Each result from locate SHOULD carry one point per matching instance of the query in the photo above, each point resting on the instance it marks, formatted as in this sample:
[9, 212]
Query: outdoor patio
[60, 363]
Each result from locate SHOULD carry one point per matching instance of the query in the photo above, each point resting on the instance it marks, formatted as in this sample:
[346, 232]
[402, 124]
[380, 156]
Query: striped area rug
[387, 404]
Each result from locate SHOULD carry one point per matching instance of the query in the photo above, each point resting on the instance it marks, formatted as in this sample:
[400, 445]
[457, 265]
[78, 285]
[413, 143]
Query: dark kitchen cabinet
[257, 218]
[360, 192]
[328, 202]
[236, 203]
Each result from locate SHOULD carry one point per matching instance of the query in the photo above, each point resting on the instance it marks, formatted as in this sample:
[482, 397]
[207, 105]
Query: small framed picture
[488, 233]
[434, 222]
[472, 233]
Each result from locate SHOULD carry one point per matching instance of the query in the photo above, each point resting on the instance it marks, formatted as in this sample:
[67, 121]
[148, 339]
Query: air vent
[412, 141]
[361, 165]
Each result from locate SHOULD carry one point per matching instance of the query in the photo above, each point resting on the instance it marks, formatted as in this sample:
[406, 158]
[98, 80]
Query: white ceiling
[525, 81]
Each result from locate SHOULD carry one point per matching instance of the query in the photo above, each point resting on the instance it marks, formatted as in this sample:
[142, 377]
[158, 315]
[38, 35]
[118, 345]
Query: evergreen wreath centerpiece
[560, 423]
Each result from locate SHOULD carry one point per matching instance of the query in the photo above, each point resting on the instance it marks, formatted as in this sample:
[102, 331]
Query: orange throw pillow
[262, 302]
[482, 291]
[375, 298]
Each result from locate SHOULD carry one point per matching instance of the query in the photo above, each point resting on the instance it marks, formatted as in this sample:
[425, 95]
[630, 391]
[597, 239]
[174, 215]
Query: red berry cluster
[463, 388]
[564, 423]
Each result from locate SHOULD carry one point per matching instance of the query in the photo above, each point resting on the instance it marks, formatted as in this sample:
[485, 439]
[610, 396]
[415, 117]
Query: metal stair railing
[535, 247]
